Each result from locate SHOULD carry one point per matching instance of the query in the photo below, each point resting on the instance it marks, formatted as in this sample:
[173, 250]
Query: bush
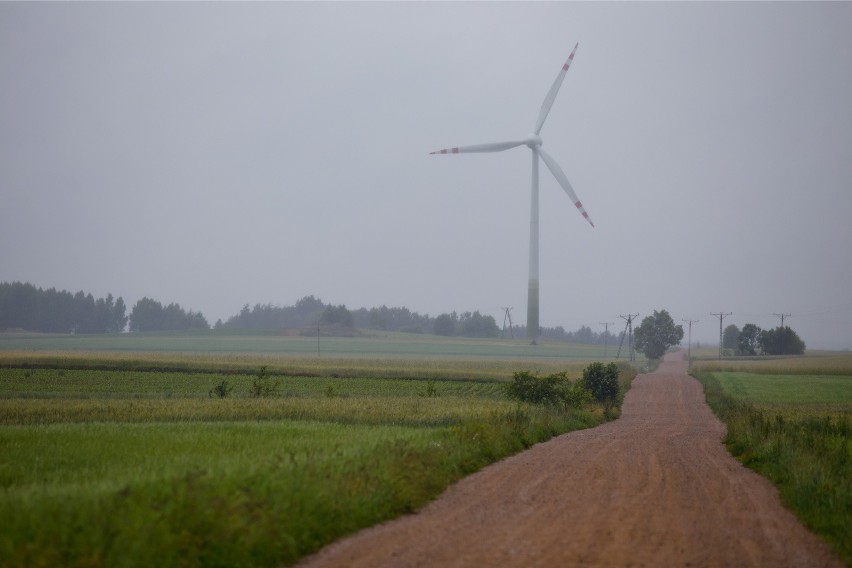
[222, 390]
[262, 386]
[602, 381]
[552, 390]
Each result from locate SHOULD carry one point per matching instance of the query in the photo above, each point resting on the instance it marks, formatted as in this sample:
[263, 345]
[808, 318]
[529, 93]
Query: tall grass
[805, 453]
[271, 507]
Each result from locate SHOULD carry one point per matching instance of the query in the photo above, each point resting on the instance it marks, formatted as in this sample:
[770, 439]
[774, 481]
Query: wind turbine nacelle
[533, 141]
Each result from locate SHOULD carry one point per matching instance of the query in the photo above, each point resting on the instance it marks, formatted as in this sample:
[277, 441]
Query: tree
[730, 337]
[781, 341]
[748, 341]
[656, 334]
[146, 315]
[150, 315]
[336, 315]
[445, 324]
[477, 325]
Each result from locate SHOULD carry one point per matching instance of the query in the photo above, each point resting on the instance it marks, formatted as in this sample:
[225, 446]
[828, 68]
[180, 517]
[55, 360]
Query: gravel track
[653, 488]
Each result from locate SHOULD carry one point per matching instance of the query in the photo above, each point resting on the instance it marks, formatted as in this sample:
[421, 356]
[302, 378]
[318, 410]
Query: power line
[782, 316]
[721, 316]
[689, 350]
[606, 325]
[628, 332]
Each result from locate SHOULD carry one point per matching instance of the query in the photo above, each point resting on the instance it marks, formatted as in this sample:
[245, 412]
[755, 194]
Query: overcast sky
[222, 154]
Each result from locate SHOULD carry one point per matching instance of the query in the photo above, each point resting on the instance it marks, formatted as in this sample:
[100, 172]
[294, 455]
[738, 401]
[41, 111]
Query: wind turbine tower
[533, 142]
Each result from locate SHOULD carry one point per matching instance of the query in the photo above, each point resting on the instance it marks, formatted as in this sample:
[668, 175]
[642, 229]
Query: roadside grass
[794, 430]
[121, 467]
[232, 493]
[282, 497]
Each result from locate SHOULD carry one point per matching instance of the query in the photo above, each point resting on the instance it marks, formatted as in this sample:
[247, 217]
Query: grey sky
[218, 154]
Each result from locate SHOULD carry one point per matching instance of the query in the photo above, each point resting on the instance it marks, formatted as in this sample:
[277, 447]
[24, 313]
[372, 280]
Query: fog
[222, 154]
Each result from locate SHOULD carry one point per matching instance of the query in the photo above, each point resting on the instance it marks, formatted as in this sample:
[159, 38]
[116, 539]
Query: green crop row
[78, 383]
[366, 345]
[461, 368]
[385, 410]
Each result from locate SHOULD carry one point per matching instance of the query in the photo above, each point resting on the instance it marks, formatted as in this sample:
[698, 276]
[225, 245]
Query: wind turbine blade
[493, 147]
[563, 181]
[551, 94]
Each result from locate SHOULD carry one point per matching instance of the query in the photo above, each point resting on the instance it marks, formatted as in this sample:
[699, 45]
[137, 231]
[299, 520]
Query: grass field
[123, 458]
[270, 343]
[378, 356]
[793, 426]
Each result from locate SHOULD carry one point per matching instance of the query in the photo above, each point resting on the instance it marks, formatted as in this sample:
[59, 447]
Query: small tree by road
[657, 333]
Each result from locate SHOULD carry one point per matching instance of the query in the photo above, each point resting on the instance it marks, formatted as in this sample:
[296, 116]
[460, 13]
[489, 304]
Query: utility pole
[508, 315]
[721, 316]
[783, 335]
[606, 325]
[689, 350]
[628, 332]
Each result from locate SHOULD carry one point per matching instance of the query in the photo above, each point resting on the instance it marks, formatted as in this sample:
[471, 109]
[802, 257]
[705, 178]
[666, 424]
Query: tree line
[751, 340]
[23, 306]
[26, 307]
[151, 315]
[310, 311]
[583, 335]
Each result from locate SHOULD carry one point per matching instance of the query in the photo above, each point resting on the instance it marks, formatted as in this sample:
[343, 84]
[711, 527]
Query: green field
[814, 395]
[272, 343]
[112, 454]
[397, 355]
[792, 425]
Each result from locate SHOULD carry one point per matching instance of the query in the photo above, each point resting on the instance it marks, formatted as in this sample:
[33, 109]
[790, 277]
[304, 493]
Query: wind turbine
[533, 141]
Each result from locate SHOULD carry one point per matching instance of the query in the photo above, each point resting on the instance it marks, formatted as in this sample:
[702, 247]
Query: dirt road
[654, 488]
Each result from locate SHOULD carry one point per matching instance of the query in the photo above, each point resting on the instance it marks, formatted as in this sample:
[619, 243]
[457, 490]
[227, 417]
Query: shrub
[431, 390]
[552, 390]
[262, 386]
[602, 381]
[222, 390]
